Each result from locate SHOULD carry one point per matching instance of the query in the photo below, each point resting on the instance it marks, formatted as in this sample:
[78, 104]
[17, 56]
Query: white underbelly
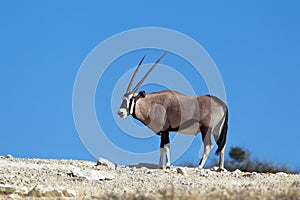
[193, 129]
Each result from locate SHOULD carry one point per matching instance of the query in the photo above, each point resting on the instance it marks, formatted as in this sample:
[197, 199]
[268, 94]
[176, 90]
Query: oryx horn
[134, 74]
[146, 75]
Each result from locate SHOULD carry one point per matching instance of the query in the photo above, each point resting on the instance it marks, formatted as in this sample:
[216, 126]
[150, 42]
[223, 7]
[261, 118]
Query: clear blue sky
[255, 45]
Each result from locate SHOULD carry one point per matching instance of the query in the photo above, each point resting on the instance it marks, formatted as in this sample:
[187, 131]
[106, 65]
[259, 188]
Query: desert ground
[79, 179]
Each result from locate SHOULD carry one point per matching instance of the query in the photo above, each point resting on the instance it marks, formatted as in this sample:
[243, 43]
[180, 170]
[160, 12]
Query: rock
[296, 183]
[11, 189]
[281, 174]
[185, 183]
[108, 176]
[51, 192]
[214, 169]
[107, 163]
[181, 171]
[217, 169]
[133, 169]
[204, 172]
[17, 192]
[15, 196]
[7, 189]
[127, 190]
[249, 174]
[9, 156]
[147, 165]
[222, 170]
[90, 174]
[147, 171]
[237, 171]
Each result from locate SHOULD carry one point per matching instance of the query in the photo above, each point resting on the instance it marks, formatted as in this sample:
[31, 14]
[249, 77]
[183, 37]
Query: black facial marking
[141, 94]
[130, 103]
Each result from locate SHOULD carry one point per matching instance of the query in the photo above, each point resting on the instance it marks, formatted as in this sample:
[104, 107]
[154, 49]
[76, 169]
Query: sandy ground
[75, 179]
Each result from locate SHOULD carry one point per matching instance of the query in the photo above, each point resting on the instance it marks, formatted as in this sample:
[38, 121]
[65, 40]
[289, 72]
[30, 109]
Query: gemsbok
[170, 111]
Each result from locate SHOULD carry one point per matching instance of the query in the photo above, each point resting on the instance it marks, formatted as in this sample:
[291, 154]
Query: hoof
[221, 170]
[168, 167]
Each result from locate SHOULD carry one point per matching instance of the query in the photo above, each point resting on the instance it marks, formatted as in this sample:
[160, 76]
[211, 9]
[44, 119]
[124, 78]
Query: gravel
[73, 179]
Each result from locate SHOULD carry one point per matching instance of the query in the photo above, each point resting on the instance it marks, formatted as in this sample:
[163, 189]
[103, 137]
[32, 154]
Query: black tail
[222, 138]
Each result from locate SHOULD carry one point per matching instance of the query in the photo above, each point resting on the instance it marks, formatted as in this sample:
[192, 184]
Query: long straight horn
[146, 75]
[134, 74]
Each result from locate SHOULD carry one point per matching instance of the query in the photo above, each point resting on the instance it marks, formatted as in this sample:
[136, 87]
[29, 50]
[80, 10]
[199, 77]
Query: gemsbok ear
[142, 94]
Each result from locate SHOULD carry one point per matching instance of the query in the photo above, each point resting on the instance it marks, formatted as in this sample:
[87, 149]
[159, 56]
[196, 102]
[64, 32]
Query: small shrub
[240, 158]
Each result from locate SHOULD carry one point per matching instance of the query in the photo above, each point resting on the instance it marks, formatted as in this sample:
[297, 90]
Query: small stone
[133, 169]
[127, 190]
[281, 174]
[14, 196]
[9, 156]
[69, 193]
[237, 171]
[13, 190]
[105, 162]
[50, 192]
[249, 174]
[214, 169]
[296, 183]
[7, 189]
[185, 183]
[89, 174]
[181, 171]
[203, 172]
[108, 176]
[222, 170]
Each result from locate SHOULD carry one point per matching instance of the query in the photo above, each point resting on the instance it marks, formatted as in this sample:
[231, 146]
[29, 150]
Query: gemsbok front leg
[164, 149]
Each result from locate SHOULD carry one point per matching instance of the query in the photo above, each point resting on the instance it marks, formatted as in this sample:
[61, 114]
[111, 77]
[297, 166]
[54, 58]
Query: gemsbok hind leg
[221, 162]
[219, 134]
[164, 148]
[206, 134]
[221, 158]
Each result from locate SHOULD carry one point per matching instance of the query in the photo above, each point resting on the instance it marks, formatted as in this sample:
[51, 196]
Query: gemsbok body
[170, 111]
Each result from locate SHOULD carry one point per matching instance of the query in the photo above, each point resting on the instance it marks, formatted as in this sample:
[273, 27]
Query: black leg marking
[164, 139]
[200, 161]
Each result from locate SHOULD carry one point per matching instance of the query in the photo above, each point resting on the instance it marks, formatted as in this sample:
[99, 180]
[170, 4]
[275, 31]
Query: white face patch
[124, 108]
[131, 106]
[122, 113]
